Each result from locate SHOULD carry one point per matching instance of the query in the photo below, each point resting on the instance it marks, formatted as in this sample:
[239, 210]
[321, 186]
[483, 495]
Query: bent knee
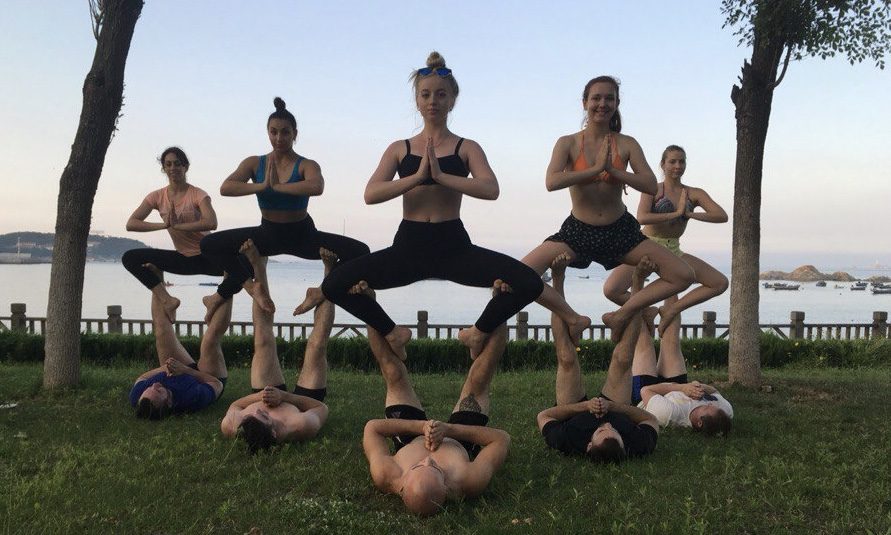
[722, 285]
[682, 276]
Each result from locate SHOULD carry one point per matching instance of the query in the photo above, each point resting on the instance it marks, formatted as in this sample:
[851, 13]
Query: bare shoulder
[625, 141]
[307, 164]
[469, 147]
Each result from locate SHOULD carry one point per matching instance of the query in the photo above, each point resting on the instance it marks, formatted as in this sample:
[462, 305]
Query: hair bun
[279, 104]
[435, 60]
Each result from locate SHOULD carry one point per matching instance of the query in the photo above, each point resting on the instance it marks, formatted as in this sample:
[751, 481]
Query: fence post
[18, 322]
[115, 323]
[522, 325]
[879, 324]
[422, 324]
[796, 324]
[708, 324]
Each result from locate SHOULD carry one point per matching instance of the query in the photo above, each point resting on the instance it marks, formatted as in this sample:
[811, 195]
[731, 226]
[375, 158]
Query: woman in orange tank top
[592, 165]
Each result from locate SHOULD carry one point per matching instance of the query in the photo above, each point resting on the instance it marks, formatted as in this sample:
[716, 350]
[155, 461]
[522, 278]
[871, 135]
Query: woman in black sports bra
[434, 169]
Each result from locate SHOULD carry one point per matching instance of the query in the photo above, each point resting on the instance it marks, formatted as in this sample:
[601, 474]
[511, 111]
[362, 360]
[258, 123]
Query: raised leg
[618, 378]
[569, 387]
[314, 372]
[266, 370]
[212, 360]
[540, 259]
[671, 361]
[675, 277]
[166, 342]
[713, 283]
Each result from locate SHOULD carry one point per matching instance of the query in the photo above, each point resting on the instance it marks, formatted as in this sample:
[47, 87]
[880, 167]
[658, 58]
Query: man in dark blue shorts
[606, 428]
[180, 385]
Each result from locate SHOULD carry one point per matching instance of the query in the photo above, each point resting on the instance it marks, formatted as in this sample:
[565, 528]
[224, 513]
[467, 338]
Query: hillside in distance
[37, 247]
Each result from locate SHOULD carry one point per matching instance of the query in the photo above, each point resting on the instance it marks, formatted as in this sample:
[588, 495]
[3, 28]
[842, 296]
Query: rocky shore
[809, 273]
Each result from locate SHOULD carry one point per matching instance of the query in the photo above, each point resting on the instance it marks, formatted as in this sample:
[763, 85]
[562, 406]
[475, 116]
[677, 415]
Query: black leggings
[427, 251]
[167, 261]
[299, 238]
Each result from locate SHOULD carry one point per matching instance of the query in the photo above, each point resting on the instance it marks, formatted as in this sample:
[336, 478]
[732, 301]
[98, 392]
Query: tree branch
[97, 16]
[785, 66]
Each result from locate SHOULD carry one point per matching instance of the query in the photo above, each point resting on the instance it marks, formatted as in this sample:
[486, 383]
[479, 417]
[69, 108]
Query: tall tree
[779, 31]
[113, 24]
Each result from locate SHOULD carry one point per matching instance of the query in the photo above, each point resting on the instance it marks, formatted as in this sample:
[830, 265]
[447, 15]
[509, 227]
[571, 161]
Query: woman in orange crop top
[665, 216]
[592, 165]
[186, 213]
[283, 181]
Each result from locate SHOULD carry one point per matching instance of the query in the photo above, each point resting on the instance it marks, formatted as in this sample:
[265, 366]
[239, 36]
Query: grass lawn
[812, 456]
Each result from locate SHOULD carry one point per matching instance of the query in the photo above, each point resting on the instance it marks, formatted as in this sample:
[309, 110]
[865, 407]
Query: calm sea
[110, 284]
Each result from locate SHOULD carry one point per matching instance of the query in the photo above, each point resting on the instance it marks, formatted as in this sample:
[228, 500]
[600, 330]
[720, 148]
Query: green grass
[810, 457]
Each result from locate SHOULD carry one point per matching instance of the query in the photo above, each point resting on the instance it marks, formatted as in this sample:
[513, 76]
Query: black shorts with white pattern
[604, 244]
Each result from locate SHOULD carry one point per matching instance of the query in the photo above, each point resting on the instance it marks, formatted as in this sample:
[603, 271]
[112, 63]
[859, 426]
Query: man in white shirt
[666, 393]
[692, 405]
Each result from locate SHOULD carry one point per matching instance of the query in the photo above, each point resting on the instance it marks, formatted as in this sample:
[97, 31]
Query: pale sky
[202, 74]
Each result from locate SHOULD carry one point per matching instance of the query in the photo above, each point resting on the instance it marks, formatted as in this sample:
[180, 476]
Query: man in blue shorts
[606, 428]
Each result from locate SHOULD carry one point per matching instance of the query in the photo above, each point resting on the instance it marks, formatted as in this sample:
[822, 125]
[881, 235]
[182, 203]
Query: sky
[202, 75]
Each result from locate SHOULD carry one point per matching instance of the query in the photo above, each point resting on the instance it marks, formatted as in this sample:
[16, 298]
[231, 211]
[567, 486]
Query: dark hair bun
[279, 104]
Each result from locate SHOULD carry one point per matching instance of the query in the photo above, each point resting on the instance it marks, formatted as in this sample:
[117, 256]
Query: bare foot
[250, 251]
[154, 269]
[328, 258]
[577, 328]
[616, 325]
[170, 305]
[501, 287]
[649, 317]
[643, 269]
[314, 298]
[558, 266]
[666, 316]
[398, 339]
[258, 291]
[360, 287]
[212, 302]
[474, 339]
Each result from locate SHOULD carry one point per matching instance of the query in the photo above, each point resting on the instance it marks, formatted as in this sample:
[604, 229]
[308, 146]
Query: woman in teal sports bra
[283, 182]
[665, 216]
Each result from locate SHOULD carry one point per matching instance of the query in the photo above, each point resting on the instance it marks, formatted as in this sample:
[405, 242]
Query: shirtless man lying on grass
[272, 415]
[435, 461]
[606, 428]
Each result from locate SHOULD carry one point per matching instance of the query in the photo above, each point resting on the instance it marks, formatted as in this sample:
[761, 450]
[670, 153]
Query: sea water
[446, 302]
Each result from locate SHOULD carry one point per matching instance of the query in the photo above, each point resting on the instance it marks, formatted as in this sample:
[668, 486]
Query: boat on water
[767, 285]
[207, 284]
[856, 288]
[821, 284]
[786, 286]
[584, 276]
[879, 291]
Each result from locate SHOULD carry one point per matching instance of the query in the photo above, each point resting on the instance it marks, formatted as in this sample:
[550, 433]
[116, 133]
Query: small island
[809, 273]
[37, 247]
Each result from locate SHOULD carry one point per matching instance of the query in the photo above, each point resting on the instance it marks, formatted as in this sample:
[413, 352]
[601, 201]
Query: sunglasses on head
[440, 71]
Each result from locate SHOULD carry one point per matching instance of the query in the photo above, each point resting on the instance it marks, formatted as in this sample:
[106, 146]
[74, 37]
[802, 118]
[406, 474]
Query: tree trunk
[103, 93]
[753, 101]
